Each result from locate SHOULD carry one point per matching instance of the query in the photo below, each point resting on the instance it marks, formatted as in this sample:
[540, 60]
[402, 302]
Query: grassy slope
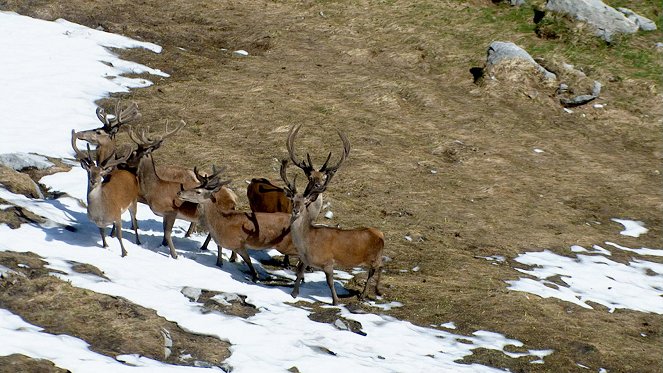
[395, 76]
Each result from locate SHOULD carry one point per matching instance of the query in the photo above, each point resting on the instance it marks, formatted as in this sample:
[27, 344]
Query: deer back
[266, 197]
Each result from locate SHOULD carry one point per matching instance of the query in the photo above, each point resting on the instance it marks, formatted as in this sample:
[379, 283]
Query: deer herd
[280, 218]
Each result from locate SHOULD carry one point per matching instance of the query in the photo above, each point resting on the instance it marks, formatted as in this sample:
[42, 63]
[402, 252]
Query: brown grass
[395, 77]
[111, 325]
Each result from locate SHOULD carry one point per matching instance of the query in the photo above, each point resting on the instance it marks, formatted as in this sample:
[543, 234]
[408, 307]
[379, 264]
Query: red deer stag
[110, 192]
[324, 247]
[238, 230]
[104, 137]
[160, 194]
[266, 197]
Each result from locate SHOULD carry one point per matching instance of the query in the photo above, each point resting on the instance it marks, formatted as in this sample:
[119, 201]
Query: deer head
[316, 178]
[111, 124]
[209, 184]
[99, 170]
[147, 144]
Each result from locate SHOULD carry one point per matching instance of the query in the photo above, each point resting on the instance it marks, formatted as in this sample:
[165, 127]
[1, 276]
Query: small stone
[240, 53]
[329, 215]
[192, 293]
[339, 324]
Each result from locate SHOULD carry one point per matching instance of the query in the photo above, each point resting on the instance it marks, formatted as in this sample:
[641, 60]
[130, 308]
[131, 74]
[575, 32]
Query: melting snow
[631, 228]
[637, 285]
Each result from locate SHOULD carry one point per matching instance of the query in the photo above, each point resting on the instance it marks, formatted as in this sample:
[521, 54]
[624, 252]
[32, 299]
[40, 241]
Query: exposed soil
[111, 325]
[434, 157]
[21, 363]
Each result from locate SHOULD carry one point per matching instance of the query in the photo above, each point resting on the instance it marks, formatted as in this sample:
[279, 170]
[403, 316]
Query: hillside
[452, 171]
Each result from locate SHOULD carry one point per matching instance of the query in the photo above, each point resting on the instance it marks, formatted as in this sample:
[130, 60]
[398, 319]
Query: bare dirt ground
[434, 156]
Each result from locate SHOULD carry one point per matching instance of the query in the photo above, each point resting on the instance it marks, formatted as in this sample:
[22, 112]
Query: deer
[160, 194]
[264, 196]
[104, 136]
[239, 230]
[110, 192]
[324, 247]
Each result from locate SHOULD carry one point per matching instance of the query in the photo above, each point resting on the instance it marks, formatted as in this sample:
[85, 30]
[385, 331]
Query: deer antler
[85, 159]
[308, 167]
[211, 182]
[290, 188]
[112, 125]
[144, 141]
[113, 160]
[346, 152]
[290, 145]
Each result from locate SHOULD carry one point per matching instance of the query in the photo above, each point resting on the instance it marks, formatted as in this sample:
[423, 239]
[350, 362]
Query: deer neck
[314, 208]
[96, 209]
[147, 175]
[300, 229]
[105, 149]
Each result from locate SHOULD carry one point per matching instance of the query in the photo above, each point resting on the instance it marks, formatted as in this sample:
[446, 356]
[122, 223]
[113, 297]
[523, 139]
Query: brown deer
[264, 196]
[324, 247]
[238, 230]
[160, 194]
[110, 192]
[104, 137]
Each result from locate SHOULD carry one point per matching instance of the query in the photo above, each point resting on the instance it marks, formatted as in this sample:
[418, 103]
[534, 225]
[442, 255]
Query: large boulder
[508, 61]
[19, 183]
[607, 21]
[20, 161]
[645, 24]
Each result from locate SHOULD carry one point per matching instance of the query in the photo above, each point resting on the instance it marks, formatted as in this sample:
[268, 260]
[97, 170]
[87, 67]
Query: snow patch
[632, 228]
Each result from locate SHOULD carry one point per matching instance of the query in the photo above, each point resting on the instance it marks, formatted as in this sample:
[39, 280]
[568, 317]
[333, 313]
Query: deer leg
[329, 273]
[233, 257]
[371, 273]
[286, 261]
[102, 232]
[298, 281]
[377, 280]
[119, 237]
[219, 257]
[168, 222]
[189, 231]
[164, 241]
[207, 240]
[112, 232]
[245, 256]
[134, 221]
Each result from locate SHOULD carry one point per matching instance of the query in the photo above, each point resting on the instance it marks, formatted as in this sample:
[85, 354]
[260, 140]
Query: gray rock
[596, 88]
[20, 161]
[645, 24]
[500, 51]
[517, 2]
[606, 20]
[339, 324]
[577, 100]
[191, 293]
[19, 183]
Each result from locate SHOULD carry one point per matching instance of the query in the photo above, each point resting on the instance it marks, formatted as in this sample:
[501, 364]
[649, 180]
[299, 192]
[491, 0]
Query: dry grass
[111, 325]
[395, 77]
